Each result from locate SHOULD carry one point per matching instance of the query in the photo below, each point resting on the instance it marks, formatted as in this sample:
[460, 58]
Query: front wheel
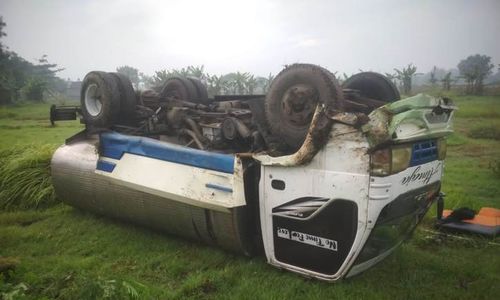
[373, 85]
[292, 100]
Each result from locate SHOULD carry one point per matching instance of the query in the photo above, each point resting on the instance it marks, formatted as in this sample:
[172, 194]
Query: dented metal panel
[338, 173]
[413, 118]
[199, 178]
[76, 182]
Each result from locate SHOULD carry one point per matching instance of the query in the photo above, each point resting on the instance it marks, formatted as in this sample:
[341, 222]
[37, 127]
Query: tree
[215, 84]
[391, 77]
[230, 83]
[34, 89]
[405, 76]
[262, 83]
[2, 33]
[5, 81]
[197, 71]
[160, 77]
[251, 84]
[42, 79]
[345, 76]
[145, 81]
[14, 71]
[432, 78]
[19, 77]
[190, 71]
[236, 82]
[474, 69]
[446, 81]
[269, 80]
[131, 72]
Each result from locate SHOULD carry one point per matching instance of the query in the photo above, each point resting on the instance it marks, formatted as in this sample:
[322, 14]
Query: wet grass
[25, 181]
[64, 253]
[26, 124]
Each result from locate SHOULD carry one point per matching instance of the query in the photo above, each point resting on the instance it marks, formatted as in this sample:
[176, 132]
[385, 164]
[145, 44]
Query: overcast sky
[254, 36]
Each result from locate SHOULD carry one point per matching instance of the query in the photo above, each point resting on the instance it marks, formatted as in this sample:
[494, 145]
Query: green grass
[65, 253]
[26, 124]
[27, 140]
[25, 180]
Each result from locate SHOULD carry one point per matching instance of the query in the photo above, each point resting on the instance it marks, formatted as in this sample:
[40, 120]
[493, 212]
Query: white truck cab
[355, 202]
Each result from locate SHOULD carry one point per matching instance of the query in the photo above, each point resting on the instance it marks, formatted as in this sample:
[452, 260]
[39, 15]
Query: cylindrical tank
[77, 184]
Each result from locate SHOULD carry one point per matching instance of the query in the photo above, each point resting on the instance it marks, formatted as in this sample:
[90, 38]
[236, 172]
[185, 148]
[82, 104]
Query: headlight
[401, 156]
[390, 160]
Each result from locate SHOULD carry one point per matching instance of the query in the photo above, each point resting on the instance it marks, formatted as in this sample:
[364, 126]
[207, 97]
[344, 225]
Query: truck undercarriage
[181, 112]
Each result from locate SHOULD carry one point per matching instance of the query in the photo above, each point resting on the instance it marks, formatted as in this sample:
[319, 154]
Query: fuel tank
[77, 183]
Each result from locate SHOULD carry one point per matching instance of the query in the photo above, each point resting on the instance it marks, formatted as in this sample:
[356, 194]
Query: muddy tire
[201, 91]
[100, 99]
[179, 88]
[373, 85]
[292, 99]
[128, 98]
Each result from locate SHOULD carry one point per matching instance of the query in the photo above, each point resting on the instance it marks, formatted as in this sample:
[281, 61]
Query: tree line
[231, 83]
[473, 70]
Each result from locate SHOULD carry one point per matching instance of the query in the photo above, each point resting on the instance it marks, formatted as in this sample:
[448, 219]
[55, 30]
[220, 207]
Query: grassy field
[65, 253]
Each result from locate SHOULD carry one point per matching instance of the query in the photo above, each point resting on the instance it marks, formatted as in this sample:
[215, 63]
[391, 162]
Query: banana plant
[405, 75]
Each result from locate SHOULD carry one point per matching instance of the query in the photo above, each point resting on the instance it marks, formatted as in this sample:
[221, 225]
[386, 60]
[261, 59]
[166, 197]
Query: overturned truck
[325, 180]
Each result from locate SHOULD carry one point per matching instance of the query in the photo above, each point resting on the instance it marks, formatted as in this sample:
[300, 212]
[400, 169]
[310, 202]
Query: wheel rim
[298, 105]
[93, 102]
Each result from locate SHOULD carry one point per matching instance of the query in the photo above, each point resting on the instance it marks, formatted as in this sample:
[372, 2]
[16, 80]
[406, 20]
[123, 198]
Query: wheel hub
[298, 104]
[93, 100]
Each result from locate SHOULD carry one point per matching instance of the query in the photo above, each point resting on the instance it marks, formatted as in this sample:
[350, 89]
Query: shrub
[25, 181]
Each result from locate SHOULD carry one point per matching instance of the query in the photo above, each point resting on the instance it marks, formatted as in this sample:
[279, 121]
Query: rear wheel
[100, 99]
[179, 88]
[292, 100]
[201, 90]
[373, 85]
[128, 98]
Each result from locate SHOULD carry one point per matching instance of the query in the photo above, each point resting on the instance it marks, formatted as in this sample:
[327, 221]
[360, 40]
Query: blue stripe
[114, 145]
[105, 166]
[219, 187]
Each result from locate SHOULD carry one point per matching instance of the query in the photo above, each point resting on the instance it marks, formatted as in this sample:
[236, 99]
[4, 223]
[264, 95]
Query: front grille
[424, 152]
